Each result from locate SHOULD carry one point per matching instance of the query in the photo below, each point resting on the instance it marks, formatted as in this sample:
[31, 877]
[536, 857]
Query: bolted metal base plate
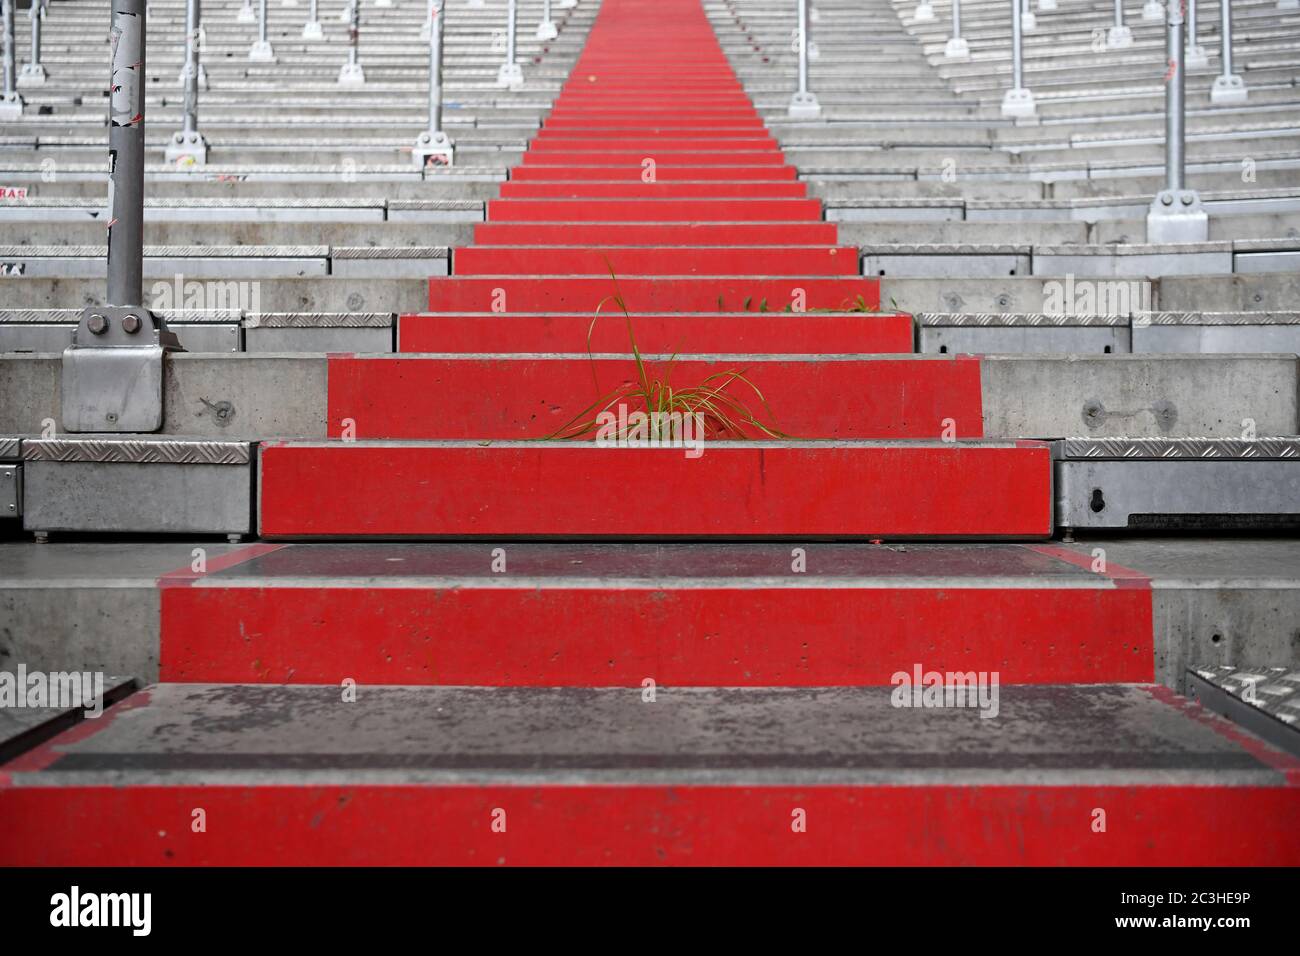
[262, 52]
[1228, 89]
[957, 49]
[433, 148]
[804, 106]
[510, 76]
[1153, 10]
[113, 371]
[546, 30]
[1177, 216]
[32, 74]
[924, 13]
[351, 74]
[311, 30]
[187, 150]
[1019, 104]
[1195, 57]
[1119, 38]
[11, 107]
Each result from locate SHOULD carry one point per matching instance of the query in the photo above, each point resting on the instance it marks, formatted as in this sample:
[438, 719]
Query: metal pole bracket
[113, 371]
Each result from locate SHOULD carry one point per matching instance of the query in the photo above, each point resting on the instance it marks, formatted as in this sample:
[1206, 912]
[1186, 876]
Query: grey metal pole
[803, 104]
[546, 29]
[311, 30]
[33, 73]
[1120, 36]
[10, 51]
[957, 47]
[188, 147]
[1228, 87]
[261, 51]
[434, 147]
[1176, 214]
[351, 73]
[1018, 101]
[1195, 56]
[511, 74]
[126, 151]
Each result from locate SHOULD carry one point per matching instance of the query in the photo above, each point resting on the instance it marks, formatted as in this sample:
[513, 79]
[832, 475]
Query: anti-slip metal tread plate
[10, 447]
[1016, 319]
[1221, 318]
[388, 252]
[945, 249]
[73, 316]
[168, 252]
[435, 204]
[159, 451]
[1200, 449]
[1134, 249]
[1273, 690]
[320, 320]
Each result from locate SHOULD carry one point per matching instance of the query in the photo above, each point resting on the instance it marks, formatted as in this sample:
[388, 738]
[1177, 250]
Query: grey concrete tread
[1168, 563]
[187, 734]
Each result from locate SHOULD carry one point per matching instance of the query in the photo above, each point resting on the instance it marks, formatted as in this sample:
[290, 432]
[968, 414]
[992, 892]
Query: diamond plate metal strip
[405, 204]
[169, 252]
[320, 320]
[945, 249]
[1016, 319]
[10, 446]
[1222, 318]
[1182, 448]
[137, 451]
[73, 316]
[1274, 690]
[388, 252]
[1137, 249]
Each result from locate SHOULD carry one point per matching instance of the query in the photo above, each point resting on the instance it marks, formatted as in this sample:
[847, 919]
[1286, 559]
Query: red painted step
[731, 490]
[682, 157]
[652, 210]
[533, 396]
[663, 172]
[653, 190]
[655, 260]
[566, 615]
[655, 233]
[788, 333]
[640, 294]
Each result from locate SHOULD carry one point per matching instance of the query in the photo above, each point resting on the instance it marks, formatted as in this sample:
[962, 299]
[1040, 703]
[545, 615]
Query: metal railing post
[188, 147]
[803, 104]
[351, 73]
[261, 51]
[1018, 103]
[1194, 55]
[434, 147]
[33, 73]
[1228, 86]
[113, 371]
[1153, 10]
[957, 48]
[1176, 214]
[1028, 21]
[1119, 36]
[511, 74]
[546, 30]
[11, 103]
[311, 30]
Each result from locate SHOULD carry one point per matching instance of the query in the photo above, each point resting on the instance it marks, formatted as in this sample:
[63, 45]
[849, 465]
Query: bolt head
[97, 324]
[1166, 199]
[131, 324]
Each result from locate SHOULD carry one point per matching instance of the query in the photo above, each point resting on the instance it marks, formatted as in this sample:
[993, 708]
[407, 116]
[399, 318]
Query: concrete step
[805, 333]
[537, 396]
[644, 294]
[490, 489]
[700, 776]
[649, 260]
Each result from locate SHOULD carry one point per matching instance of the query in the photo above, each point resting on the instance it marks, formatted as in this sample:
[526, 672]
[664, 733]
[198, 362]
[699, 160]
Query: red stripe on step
[654, 190]
[650, 826]
[532, 397]
[667, 294]
[751, 491]
[655, 261]
[652, 210]
[755, 333]
[654, 233]
[618, 635]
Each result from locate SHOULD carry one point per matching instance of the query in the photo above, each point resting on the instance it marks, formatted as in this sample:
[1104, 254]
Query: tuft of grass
[723, 413]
